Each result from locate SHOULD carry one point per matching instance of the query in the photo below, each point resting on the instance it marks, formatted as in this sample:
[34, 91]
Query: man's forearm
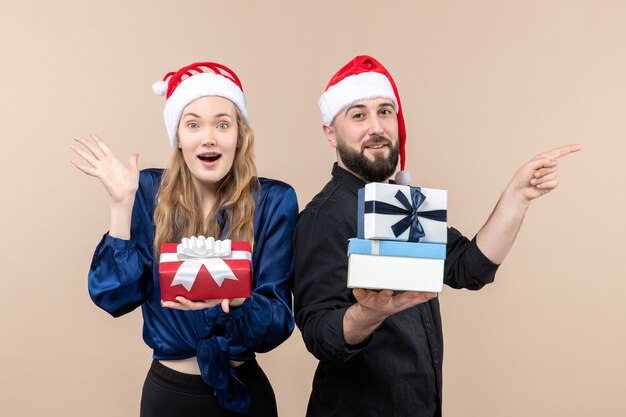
[496, 237]
[373, 307]
[359, 323]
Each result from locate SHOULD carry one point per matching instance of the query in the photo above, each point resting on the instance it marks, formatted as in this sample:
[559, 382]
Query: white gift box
[395, 273]
[389, 212]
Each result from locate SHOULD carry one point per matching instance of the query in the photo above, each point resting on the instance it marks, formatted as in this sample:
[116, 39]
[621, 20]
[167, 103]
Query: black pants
[168, 393]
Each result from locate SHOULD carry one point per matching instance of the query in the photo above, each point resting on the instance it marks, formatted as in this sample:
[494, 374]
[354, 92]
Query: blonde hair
[179, 211]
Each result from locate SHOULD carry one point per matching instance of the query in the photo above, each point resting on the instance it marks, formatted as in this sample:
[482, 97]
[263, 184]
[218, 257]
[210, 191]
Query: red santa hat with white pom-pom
[360, 79]
[197, 80]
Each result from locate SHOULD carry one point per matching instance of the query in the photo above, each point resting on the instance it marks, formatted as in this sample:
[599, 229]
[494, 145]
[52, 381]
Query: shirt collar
[348, 179]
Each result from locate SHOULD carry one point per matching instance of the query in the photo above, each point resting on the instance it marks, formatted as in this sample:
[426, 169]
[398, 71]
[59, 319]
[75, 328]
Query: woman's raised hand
[121, 181]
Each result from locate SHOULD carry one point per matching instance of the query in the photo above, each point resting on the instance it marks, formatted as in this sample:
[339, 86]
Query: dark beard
[378, 170]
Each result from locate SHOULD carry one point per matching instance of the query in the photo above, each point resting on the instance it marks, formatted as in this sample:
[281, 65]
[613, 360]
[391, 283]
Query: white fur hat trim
[363, 86]
[194, 87]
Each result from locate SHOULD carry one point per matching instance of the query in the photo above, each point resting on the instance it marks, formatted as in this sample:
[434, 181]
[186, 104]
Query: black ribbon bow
[411, 219]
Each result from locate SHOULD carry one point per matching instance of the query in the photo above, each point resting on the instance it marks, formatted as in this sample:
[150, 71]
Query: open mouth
[377, 146]
[209, 157]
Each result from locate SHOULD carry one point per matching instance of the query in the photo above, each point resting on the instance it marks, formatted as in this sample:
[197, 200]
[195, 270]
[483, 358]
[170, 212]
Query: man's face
[365, 135]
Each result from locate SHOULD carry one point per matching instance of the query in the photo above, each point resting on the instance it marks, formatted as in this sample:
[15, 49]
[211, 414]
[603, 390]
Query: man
[381, 353]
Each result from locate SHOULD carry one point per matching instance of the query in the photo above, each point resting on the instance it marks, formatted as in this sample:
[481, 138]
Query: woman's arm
[121, 181]
[120, 274]
[265, 319]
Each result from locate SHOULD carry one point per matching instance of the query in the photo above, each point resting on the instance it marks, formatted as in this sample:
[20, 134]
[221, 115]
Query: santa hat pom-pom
[403, 178]
[159, 88]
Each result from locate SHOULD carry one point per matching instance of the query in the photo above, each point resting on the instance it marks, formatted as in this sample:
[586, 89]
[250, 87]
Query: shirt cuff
[479, 262]
[118, 244]
[237, 312]
[333, 336]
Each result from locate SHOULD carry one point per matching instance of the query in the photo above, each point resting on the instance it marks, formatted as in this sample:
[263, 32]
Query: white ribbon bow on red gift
[198, 251]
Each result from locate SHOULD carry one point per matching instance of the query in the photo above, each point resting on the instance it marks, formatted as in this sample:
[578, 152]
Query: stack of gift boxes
[402, 235]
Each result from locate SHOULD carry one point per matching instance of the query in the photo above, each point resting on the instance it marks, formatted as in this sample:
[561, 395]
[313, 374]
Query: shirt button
[210, 323]
[428, 325]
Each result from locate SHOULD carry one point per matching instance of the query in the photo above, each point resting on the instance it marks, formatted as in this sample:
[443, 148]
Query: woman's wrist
[121, 215]
[232, 304]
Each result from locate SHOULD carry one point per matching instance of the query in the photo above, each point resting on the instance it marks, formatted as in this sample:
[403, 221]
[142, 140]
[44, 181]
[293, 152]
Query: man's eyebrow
[355, 106]
[363, 106]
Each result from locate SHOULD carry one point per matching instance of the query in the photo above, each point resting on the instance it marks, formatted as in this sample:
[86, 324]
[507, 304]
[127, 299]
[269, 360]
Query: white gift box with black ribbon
[402, 212]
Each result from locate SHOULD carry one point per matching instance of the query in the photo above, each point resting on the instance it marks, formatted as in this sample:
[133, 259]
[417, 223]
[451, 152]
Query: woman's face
[207, 136]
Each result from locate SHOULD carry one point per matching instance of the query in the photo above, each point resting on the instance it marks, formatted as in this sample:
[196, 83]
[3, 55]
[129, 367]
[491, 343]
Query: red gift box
[205, 278]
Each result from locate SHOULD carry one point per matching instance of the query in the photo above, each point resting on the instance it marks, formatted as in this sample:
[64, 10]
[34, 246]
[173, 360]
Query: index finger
[562, 151]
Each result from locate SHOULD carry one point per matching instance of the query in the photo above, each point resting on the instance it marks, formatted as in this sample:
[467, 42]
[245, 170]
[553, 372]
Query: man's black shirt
[397, 370]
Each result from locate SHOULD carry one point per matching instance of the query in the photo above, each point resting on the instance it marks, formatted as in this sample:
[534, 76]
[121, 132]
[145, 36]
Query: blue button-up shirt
[124, 275]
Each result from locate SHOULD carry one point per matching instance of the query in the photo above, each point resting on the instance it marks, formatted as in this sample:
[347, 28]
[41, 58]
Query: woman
[203, 350]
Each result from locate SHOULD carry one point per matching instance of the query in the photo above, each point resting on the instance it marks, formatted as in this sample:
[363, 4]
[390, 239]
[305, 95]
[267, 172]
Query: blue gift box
[402, 212]
[396, 248]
